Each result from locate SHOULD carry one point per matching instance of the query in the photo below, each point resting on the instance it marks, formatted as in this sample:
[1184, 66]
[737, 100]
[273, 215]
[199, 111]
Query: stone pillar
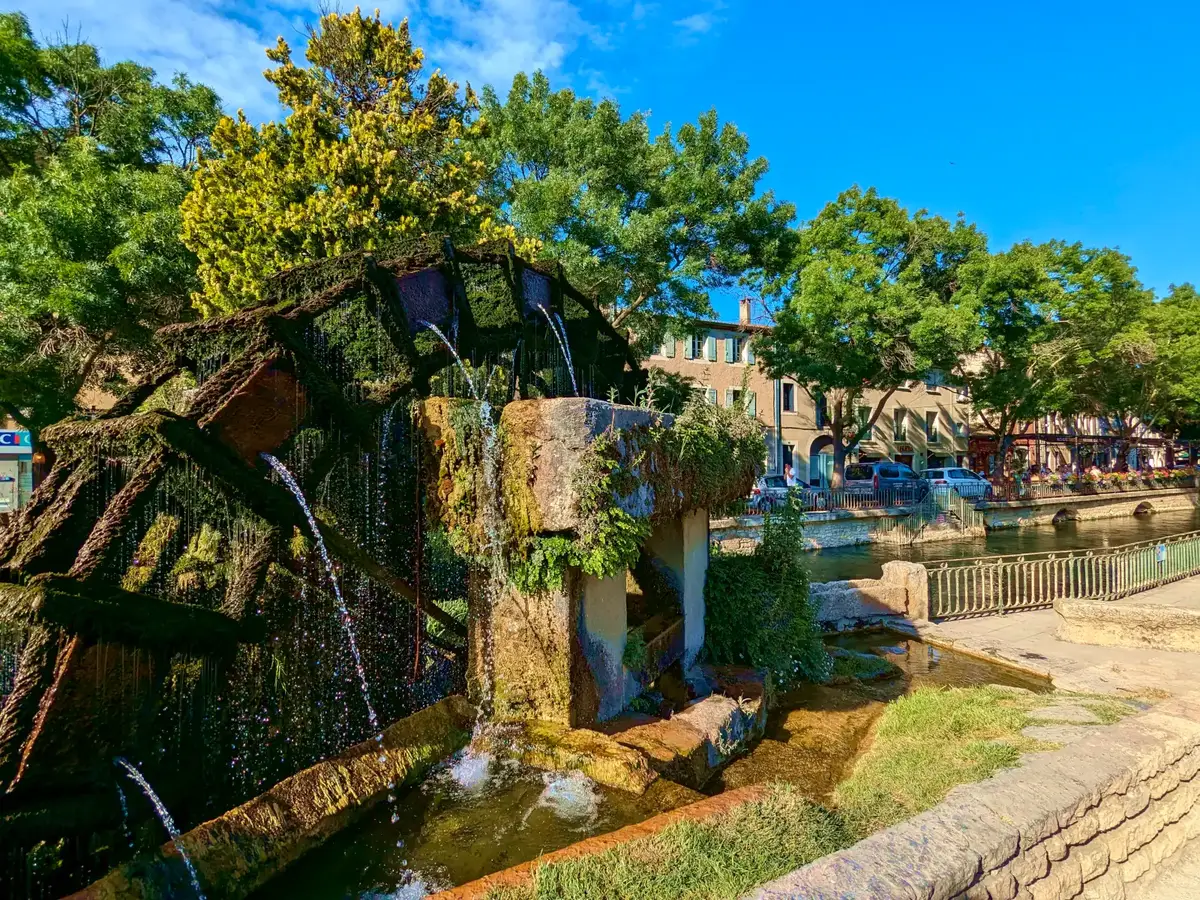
[602, 633]
[914, 578]
[695, 573]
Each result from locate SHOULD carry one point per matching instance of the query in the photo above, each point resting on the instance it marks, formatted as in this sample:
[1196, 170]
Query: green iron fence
[999, 584]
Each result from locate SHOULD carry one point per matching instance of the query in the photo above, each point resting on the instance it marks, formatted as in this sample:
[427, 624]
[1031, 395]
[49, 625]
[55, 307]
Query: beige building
[923, 423]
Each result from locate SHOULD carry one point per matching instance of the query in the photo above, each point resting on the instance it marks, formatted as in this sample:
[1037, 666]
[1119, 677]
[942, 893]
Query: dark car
[876, 477]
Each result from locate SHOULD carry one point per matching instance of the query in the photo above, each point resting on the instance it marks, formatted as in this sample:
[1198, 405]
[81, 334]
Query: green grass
[925, 744]
[715, 860]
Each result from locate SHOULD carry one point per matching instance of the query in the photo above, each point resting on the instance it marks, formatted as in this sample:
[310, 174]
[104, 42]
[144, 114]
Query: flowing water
[866, 560]
[343, 612]
[817, 731]
[163, 816]
[561, 337]
[477, 815]
[457, 358]
[473, 817]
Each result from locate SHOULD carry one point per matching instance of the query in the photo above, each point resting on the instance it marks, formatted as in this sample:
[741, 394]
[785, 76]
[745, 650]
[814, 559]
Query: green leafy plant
[757, 609]
[635, 653]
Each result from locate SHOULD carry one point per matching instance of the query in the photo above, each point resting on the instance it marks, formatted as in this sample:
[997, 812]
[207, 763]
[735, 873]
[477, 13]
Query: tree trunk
[839, 463]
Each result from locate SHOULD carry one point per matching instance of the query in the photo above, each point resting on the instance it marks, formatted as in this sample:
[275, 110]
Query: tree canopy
[647, 225]
[94, 162]
[368, 152]
[871, 299]
[51, 94]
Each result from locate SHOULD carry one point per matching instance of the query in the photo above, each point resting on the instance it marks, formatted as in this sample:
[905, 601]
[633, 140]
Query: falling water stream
[562, 343]
[163, 816]
[343, 612]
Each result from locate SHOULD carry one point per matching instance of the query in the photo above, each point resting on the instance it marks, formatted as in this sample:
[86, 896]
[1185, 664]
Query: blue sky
[1038, 120]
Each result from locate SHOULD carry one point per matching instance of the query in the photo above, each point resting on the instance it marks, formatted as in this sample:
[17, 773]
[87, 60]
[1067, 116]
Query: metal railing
[814, 500]
[942, 506]
[1022, 490]
[999, 584]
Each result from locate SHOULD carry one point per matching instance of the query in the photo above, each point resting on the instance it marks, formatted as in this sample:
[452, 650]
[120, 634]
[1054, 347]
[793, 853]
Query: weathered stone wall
[1084, 821]
[1108, 624]
[1023, 513]
[902, 591]
[842, 528]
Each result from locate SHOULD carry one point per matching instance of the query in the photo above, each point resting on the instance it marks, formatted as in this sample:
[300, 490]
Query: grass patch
[929, 742]
[722, 858]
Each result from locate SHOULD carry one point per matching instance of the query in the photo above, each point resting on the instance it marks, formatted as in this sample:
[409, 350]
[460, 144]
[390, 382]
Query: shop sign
[15, 442]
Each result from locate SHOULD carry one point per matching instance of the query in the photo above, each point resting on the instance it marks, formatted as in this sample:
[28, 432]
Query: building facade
[1056, 443]
[923, 423]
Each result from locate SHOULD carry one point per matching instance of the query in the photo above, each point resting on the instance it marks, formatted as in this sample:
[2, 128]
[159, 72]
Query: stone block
[1111, 812]
[1032, 865]
[1056, 847]
[1191, 823]
[1150, 626]
[996, 886]
[1118, 843]
[930, 854]
[1093, 859]
[1069, 713]
[1036, 813]
[861, 873]
[1136, 866]
[1062, 882]
[557, 748]
[1083, 829]
[1136, 800]
[1109, 886]
[691, 745]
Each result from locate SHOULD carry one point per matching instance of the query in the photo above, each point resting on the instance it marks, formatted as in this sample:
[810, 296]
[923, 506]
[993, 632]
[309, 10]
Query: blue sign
[1160, 553]
[16, 439]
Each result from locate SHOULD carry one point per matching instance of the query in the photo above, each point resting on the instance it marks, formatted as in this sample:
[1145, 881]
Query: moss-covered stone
[241, 850]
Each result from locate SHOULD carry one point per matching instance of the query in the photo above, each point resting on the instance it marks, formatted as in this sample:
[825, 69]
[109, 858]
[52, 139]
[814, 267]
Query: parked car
[885, 476]
[963, 482]
[769, 492]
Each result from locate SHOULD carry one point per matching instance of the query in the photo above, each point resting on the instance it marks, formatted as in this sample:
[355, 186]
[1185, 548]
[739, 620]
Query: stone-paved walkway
[1028, 640]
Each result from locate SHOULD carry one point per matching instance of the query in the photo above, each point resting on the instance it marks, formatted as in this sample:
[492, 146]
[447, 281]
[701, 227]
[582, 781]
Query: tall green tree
[648, 225]
[369, 152]
[94, 162]
[1175, 325]
[90, 264]
[53, 93]
[1020, 370]
[1102, 312]
[871, 300]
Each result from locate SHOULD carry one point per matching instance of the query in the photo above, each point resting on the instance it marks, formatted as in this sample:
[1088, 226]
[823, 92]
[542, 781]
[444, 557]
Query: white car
[770, 492]
[963, 482]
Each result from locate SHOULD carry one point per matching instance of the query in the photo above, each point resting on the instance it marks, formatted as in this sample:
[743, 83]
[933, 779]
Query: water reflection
[866, 560]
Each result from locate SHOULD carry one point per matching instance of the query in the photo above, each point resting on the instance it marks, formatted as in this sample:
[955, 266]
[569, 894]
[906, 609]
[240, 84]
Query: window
[789, 453]
[668, 346]
[710, 395]
[789, 398]
[960, 429]
[900, 425]
[934, 380]
[863, 415]
[733, 349]
[693, 347]
[733, 396]
[960, 475]
[931, 427]
[822, 411]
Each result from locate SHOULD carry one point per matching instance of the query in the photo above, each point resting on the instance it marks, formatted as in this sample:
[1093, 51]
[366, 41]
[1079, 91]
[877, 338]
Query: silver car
[770, 492]
[963, 482]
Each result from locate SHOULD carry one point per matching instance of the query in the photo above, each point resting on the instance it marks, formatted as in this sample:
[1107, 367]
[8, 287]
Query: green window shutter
[689, 347]
[669, 346]
[729, 397]
[730, 349]
[711, 394]
[710, 348]
[751, 405]
[749, 353]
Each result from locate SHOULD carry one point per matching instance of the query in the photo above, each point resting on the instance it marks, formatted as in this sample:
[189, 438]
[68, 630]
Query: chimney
[744, 311]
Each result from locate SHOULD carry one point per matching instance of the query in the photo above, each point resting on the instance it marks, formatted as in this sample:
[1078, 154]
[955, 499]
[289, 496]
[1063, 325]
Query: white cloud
[697, 23]
[221, 42]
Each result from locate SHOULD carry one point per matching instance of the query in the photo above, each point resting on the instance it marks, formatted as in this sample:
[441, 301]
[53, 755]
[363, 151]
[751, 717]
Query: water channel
[866, 560]
[465, 822]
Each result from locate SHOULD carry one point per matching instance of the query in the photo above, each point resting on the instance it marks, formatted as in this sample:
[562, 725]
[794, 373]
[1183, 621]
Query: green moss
[634, 656]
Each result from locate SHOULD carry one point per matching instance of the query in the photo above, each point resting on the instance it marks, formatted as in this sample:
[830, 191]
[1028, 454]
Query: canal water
[866, 560]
